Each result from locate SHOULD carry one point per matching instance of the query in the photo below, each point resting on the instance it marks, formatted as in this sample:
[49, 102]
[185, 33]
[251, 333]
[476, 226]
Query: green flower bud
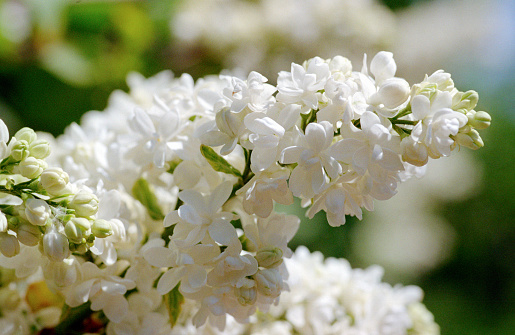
[9, 245]
[39, 149]
[31, 167]
[9, 299]
[479, 120]
[20, 150]
[54, 180]
[269, 257]
[101, 228]
[465, 100]
[269, 282]
[471, 140]
[246, 296]
[84, 203]
[26, 134]
[73, 232]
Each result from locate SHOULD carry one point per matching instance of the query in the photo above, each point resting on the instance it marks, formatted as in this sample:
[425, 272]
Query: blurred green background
[60, 59]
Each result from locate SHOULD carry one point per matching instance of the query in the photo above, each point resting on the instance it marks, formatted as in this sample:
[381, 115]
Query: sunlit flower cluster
[168, 195]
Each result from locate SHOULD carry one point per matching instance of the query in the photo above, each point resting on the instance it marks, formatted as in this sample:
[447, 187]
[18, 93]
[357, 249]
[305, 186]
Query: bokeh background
[451, 232]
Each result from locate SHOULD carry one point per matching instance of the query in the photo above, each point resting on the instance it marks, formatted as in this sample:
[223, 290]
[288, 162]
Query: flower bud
[4, 225]
[28, 234]
[340, 64]
[84, 203]
[471, 140]
[269, 257]
[37, 211]
[9, 299]
[228, 122]
[465, 100]
[101, 228]
[73, 232]
[383, 66]
[26, 134]
[39, 149]
[55, 245]
[246, 295]
[392, 93]
[269, 282]
[9, 245]
[54, 180]
[414, 152]
[32, 167]
[20, 150]
[479, 120]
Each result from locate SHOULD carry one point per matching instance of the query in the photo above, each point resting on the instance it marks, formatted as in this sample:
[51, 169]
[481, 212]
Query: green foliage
[174, 301]
[142, 191]
[218, 162]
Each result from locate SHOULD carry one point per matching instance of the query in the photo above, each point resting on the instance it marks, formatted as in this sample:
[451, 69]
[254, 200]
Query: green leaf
[142, 191]
[174, 301]
[218, 162]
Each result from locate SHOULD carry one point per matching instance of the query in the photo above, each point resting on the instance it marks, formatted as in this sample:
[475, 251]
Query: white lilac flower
[104, 288]
[267, 132]
[370, 151]
[301, 85]
[315, 161]
[155, 132]
[260, 192]
[438, 122]
[186, 265]
[329, 297]
[200, 215]
[341, 198]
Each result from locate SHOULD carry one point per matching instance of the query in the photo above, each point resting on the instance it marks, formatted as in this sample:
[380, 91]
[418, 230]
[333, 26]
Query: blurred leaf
[142, 191]
[174, 301]
[67, 63]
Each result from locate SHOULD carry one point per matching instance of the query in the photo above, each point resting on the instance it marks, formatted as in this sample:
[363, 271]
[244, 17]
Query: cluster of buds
[40, 206]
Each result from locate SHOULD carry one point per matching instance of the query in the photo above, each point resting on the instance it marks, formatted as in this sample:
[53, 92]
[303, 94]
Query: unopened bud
[383, 66]
[84, 203]
[479, 120]
[269, 257]
[414, 152]
[465, 100]
[26, 134]
[269, 282]
[20, 150]
[392, 93]
[37, 211]
[73, 232]
[54, 180]
[101, 228]
[471, 140]
[246, 295]
[32, 167]
[9, 299]
[9, 245]
[55, 245]
[28, 234]
[39, 149]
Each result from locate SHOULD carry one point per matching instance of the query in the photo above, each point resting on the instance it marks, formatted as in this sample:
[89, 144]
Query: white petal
[222, 232]
[169, 280]
[420, 106]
